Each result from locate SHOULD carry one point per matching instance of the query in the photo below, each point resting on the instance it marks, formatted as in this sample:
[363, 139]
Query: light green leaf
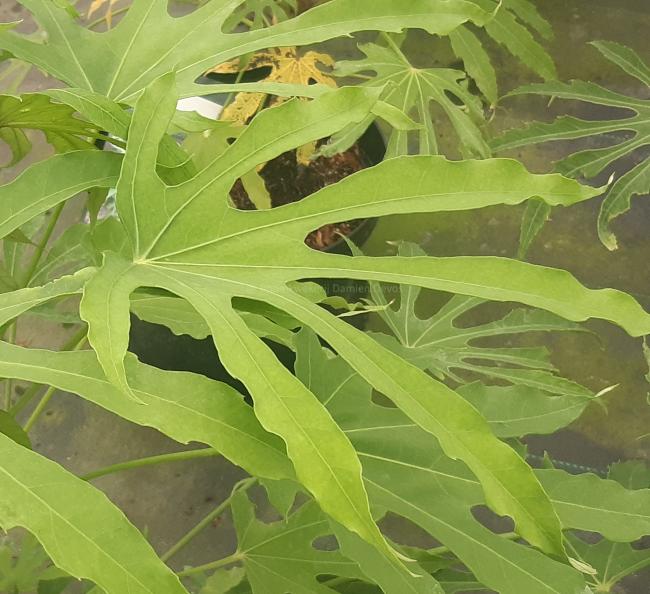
[535, 216]
[174, 313]
[591, 162]
[612, 561]
[25, 567]
[281, 557]
[282, 494]
[406, 472]
[149, 42]
[62, 129]
[282, 404]
[223, 581]
[476, 61]
[587, 502]
[632, 474]
[412, 477]
[174, 166]
[527, 12]
[635, 182]
[509, 32]
[513, 411]
[412, 90]
[448, 349]
[626, 58]
[57, 507]
[17, 302]
[105, 307]
[389, 578]
[259, 13]
[52, 181]
[184, 406]
[10, 427]
[70, 250]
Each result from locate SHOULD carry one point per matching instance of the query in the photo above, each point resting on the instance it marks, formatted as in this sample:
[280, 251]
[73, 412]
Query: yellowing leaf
[287, 66]
[96, 5]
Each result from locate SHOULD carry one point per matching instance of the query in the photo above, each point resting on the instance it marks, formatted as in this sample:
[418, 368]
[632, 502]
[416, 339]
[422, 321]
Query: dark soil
[289, 181]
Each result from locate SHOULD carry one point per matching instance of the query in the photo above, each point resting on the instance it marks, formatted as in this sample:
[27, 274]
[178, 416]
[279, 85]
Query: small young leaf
[62, 129]
[413, 90]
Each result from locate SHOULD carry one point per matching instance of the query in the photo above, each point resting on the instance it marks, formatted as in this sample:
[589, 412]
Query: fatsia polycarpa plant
[228, 257]
[178, 235]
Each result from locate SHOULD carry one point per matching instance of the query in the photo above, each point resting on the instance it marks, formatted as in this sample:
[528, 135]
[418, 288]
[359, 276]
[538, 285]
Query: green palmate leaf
[25, 568]
[611, 561]
[476, 61]
[508, 28]
[406, 473]
[62, 129]
[448, 349]
[17, 302]
[413, 90]
[459, 581]
[208, 267]
[69, 251]
[535, 216]
[388, 578]
[50, 182]
[513, 411]
[105, 306]
[633, 474]
[53, 504]
[588, 502]
[511, 27]
[184, 406]
[591, 162]
[148, 41]
[223, 581]
[281, 557]
[15, 248]
[257, 14]
[174, 165]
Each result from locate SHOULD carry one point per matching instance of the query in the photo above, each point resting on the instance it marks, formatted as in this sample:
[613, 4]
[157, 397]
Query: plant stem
[9, 384]
[231, 96]
[204, 523]
[150, 461]
[30, 393]
[25, 399]
[40, 247]
[39, 408]
[214, 565]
